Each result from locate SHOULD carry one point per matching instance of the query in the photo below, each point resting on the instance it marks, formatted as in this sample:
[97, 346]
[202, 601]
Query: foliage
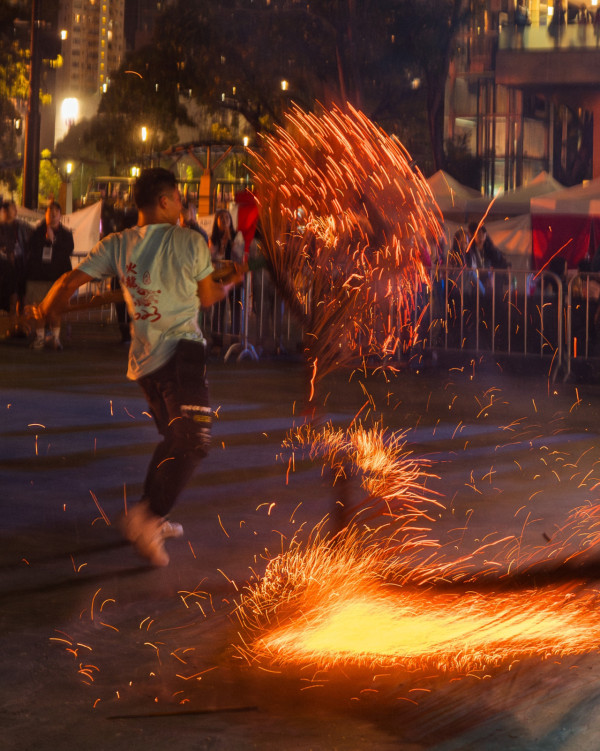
[13, 87]
[373, 54]
[388, 58]
[50, 179]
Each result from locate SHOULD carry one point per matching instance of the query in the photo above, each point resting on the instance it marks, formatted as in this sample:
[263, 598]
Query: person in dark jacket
[14, 236]
[48, 257]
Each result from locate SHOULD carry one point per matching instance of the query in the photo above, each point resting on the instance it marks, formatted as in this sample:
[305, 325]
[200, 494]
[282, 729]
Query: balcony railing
[532, 38]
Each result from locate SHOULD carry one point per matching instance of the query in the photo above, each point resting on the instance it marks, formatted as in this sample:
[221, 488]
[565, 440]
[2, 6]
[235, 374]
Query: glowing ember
[417, 630]
[358, 598]
[335, 604]
[393, 479]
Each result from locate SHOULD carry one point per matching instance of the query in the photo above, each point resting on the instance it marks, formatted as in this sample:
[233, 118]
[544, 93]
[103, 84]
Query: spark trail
[349, 226]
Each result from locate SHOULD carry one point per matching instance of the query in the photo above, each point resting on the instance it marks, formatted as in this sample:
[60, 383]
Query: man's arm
[211, 292]
[57, 299]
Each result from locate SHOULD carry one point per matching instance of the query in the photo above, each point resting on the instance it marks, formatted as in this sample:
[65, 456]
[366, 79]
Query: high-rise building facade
[93, 46]
[140, 19]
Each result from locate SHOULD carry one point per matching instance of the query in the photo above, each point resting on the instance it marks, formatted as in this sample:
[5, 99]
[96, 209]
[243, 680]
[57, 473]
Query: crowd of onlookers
[31, 259]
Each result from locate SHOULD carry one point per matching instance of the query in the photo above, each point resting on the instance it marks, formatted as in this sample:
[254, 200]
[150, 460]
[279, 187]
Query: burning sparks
[460, 633]
[400, 583]
[349, 227]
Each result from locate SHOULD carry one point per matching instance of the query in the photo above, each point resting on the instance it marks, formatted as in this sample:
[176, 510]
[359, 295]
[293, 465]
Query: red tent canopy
[562, 224]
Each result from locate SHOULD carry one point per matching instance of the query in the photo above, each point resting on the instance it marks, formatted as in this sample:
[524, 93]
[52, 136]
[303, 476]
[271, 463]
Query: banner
[85, 226]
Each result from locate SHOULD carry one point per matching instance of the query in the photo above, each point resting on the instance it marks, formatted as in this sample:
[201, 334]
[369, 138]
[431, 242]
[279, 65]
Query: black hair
[151, 184]
[215, 235]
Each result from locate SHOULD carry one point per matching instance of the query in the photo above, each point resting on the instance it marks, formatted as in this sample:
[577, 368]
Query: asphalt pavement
[101, 651]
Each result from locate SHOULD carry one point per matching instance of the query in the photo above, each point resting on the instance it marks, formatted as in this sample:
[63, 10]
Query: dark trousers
[177, 394]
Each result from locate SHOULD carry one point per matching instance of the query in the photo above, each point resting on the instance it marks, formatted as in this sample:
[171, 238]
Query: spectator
[226, 245]
[14, 236]
[458, 249]
[188, 219]
[521, 15]
[48, 257]
[493, 258]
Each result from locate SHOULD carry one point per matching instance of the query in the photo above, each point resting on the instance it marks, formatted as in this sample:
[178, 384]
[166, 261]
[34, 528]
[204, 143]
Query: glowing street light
[144, 134]
[69, 111]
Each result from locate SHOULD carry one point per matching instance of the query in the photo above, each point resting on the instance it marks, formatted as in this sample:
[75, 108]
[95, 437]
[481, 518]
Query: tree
[388, 58]
[13, 89]
[142, 93]
[433, 26]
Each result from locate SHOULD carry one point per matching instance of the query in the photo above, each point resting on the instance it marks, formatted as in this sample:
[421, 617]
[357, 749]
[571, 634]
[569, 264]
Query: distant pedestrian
[188, 219]
[226, 245]
[14, 236]
[48, 257]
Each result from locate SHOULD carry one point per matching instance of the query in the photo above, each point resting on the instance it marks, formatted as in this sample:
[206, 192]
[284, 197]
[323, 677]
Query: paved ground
[101, 652]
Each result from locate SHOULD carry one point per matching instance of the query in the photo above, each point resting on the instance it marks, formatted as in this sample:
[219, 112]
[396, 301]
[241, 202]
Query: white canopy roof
[580, 200]
[517, 201]
[451, 196]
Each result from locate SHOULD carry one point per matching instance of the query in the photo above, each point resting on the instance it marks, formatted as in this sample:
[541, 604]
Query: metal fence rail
[503, 312]
[494, 310]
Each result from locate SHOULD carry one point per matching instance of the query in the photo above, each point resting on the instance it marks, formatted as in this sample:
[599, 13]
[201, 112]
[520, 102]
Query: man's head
[479, 233]
[53, 214]
[156, 195]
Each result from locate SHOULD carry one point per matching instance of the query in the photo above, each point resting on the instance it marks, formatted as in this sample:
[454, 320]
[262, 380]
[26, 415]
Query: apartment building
[527, 98]
[93, 46]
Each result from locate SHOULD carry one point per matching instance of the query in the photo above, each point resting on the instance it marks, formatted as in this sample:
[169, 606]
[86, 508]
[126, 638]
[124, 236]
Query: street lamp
[144, 135]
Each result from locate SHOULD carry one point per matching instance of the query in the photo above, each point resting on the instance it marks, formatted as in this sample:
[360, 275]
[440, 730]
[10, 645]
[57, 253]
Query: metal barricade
[582, 338]
[253, 321]
[504, 312]
[494, 310]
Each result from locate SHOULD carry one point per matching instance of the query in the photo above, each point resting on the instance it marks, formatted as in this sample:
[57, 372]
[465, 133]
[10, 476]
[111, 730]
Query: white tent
[511, 236]
[451, 196]
[517, 201]
[580, 200]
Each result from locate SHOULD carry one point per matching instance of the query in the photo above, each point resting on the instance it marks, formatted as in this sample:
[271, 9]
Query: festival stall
[566, 224]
